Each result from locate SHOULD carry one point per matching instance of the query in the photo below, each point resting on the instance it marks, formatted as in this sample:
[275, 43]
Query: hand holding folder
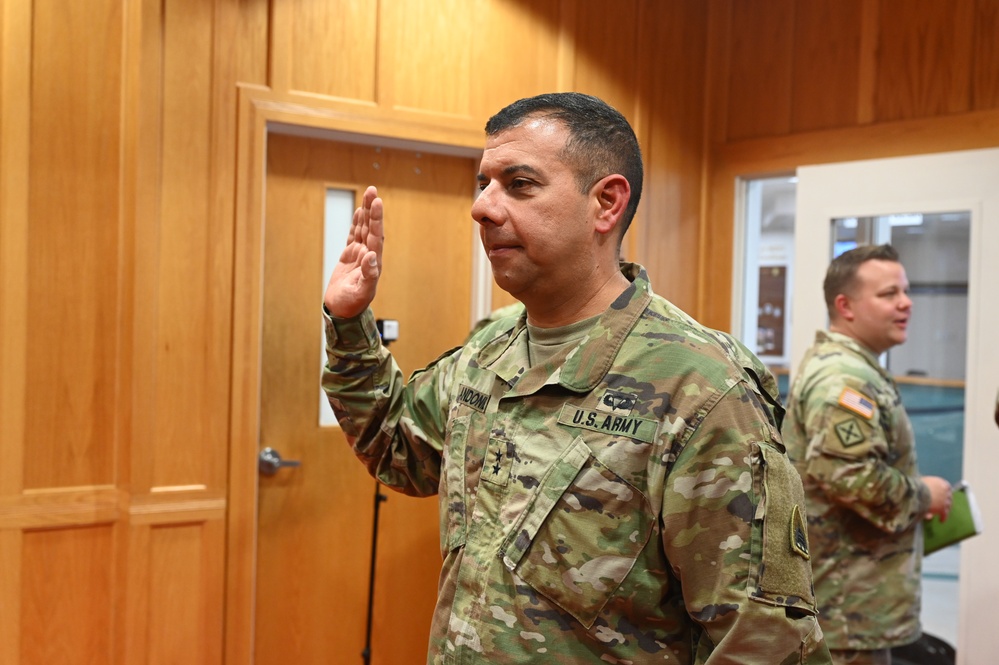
[963, 521]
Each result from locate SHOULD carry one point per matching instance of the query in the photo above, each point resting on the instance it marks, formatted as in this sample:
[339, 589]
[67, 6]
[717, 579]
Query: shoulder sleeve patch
[849, 432]
[857, 402]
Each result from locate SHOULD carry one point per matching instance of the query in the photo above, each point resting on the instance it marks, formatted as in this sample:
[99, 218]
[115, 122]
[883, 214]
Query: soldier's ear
[611, 195]
[844, 308]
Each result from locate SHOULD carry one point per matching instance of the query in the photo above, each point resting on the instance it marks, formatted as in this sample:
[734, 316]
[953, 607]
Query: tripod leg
[379, 497]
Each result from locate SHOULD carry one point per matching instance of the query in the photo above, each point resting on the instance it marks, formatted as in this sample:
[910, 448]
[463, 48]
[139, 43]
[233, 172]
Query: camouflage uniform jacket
[631, 504]
[850, 439]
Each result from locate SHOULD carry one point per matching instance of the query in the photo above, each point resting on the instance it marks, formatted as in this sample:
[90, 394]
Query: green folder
[963, 521]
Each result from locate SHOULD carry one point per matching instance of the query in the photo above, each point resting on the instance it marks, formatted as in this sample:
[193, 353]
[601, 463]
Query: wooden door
[315, 521]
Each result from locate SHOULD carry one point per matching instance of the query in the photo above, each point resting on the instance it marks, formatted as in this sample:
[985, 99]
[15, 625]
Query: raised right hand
[355, 278]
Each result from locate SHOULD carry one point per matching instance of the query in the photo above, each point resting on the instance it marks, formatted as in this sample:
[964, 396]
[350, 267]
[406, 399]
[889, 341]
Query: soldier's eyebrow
[513, 169]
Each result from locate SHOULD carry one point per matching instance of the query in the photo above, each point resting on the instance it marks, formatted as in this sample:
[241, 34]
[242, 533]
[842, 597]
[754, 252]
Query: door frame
[912, 184]
[261, 112]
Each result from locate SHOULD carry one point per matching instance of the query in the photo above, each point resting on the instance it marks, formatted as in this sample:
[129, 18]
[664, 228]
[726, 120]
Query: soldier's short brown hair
[841, 277]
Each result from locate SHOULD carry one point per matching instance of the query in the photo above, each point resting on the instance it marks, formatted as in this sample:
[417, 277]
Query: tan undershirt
[544, 344]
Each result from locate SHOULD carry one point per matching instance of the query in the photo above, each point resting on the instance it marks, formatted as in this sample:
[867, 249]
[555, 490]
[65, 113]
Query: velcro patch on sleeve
[785, 571]
[857, 402]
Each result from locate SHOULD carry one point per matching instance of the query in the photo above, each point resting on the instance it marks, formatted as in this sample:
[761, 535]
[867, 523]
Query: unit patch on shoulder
[859, 403]
[799, 534]
[849, 432]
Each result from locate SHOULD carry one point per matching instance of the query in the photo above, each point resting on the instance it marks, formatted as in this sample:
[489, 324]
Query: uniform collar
[856, 347]
[588, 363]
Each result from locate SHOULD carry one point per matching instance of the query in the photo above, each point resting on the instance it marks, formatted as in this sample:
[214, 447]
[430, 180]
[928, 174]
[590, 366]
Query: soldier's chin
[507, 282]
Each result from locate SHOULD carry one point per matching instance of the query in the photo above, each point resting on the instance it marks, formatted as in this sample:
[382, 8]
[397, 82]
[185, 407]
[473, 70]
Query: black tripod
[388, 332]
[379, 497]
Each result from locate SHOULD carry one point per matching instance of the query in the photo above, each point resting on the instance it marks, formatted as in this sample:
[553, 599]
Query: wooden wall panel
[825, 64]
[924, 58]
[112, 244]
[328, 48]
[72, 240]
[15, 95]
[985, 72]
[66, 592]
[804, 65]
[673, 146]
[185, 594]
[521, 56]
[759, 72]
[428, 69]
[190, 339]
[11, 556]
[242, 33]
[607, 62]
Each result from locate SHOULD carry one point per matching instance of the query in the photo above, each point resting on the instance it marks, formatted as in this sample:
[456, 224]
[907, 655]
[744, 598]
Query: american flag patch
[856, 402]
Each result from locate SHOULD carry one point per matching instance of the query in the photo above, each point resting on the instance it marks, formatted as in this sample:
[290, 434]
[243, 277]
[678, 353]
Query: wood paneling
[116, 292]
[825, 64]
[327, 48]
[11, 558]
[673, 121]
[925, 58]
[189, 341]
[608, 65]
[59, 507]
[72, 241]
[428, 69]
[985, 73]
[15, 87]
[759, 83]
[867, 66]
[516, 53]
[802, 65]
[184, 595]
[241, 40]
[66, 592]
[170, 609]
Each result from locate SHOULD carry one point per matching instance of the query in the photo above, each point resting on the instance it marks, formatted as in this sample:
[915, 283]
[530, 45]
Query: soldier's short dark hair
[841, 277]
[601, 141]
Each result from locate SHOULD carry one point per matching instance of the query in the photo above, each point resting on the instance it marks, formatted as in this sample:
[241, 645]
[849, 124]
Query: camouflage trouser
[860, 657]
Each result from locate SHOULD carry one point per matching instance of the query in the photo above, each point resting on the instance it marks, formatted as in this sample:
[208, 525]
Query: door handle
[269, 461]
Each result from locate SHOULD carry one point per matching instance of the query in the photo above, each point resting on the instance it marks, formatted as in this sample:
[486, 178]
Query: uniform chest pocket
[580, 535]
